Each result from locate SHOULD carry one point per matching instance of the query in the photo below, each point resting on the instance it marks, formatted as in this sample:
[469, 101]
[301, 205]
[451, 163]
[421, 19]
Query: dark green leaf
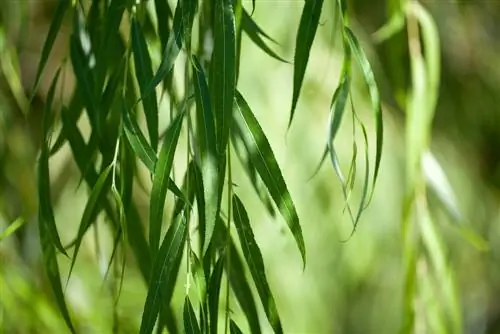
[189, 8]
[208, 151]
[254, 260]
[144, 75]
[213, 294]
[190, 323]
[161, 180]
[95, 198]
[163, 15]
[254, 32]
[374, 97]
[223, 75]
[264, 161]
[305, 36]
[233, 328]
[164, 274]
[52, 270]
[55, 26]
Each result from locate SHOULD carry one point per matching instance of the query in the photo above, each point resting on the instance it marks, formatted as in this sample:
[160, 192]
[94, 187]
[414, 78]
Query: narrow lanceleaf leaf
[189, 8]
[308, 25]
[233, 328]
[254, 32]
[164, 273]
[223, 75]
[55, 26]
[52, 270]
[12, 228]
[161, 180]
[46, 213]
[170, 53]
[190, 323]
[264, 161]
[98, 192]
[208, 151]
[214, 293]
[144, 75]
[253, 257]
[164, 12]
[369, 79]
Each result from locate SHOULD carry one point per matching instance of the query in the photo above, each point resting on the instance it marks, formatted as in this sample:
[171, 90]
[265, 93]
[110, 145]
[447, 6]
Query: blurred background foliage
[347, 287]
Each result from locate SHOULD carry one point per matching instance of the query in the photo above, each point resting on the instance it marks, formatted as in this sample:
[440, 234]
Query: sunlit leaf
[253, 258]
[308, 25]
[164, 273]
[161, 180]
[95, 198]
[144, 75]
[369, 79]
[12, 228]
[223, 71]
[190, 323]
[208, 151]
[264, 161]
[55, 26]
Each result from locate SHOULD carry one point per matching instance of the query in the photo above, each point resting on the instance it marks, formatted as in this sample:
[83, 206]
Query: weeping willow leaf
[189, 8]
[164, 273]
[144, 75]
[161, 180]
[308, 25]
[223, 76]
[46, 213]
[374, 97]
[254, 32]
[233, 328]
[163, 11]
[55, 26]
[208, 151]
[253, 258]
[89, 213]
[52, 270]
[12, 228]
[264, 161]
[190, 323]
[170, 53]
[213, 294]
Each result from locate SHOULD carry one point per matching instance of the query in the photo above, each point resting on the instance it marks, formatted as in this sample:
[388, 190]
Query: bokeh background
[347, 287]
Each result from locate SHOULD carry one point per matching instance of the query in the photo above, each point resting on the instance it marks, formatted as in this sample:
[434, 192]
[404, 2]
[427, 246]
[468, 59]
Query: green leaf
[254, 32]
[170, 53]
[233, 328]
[190, 323]
[208, 151]
[164, 274]
[214, 293]
[189, 8]
[253, 257]
[163, 11]
[12, 228]
[144, 75]
[89, 213]
[161, 180]
[223, 75]
[264, 161]
[308, 25]
[46, 213]
[55, 26]
[369, 79]
[52, 270]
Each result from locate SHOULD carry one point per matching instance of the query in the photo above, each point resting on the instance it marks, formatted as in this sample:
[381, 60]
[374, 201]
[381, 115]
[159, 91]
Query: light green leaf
[161, 180]
[308, 25]
[253, 257]
[223, 74]
[12, 228]
[164, 273]
[55, 26]
[208, 151]
[369, 79]
[144, 75]
[190, 323]
[264, 161]
[90, 211]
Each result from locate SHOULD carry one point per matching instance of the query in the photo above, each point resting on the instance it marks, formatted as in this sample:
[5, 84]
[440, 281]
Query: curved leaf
[253, 257]
[264, 161]
[161, 180]
[305, 36]
[190, 323]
